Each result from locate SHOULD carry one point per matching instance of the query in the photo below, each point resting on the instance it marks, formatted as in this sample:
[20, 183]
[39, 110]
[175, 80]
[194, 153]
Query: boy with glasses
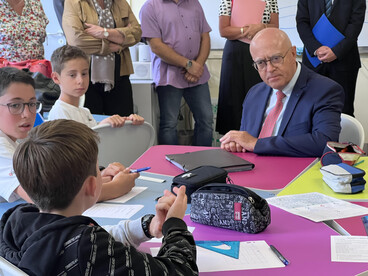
[18, 108]
[293, 112]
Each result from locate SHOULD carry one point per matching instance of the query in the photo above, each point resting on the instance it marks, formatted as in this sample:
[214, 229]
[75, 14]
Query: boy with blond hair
[54, 238]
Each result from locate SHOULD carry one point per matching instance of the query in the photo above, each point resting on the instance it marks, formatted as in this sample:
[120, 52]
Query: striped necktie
[328, 4]
[269, 123]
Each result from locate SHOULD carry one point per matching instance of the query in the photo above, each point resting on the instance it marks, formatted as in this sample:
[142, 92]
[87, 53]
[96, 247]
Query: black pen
[279, 255]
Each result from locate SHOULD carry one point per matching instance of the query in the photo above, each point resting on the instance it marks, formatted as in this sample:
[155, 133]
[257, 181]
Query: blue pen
[279, 255]
[140, 170]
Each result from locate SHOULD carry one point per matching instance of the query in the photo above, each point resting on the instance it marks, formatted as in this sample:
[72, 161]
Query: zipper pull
[251, 199]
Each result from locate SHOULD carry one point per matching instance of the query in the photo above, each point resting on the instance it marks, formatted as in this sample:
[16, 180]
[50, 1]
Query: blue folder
[326, 34]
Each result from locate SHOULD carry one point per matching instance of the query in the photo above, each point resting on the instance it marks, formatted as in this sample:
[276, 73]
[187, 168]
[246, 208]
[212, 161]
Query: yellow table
[311, 181]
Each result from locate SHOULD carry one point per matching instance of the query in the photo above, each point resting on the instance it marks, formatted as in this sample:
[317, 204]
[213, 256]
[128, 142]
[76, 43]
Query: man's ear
[90, 186]
[55, 77]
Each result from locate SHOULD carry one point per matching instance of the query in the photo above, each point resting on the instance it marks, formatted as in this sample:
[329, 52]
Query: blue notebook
[326, 34]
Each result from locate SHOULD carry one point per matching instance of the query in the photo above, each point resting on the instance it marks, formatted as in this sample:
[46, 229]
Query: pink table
[304, 243]
[354, 225]
[270, 172]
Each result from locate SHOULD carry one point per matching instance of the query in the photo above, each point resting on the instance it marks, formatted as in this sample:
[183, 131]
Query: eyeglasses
[18, 108]
[276, 61]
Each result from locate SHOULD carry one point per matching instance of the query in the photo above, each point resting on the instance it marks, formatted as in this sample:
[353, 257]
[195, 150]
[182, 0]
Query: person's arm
[118, 181]
[170, 56]
[177, 255]
[133, 32]
[124, 36]
[227, 31]
[75, 34]
[204, 49]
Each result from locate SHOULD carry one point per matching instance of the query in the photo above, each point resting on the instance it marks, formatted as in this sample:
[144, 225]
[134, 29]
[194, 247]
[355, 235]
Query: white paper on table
[317, 207]
[349, 249]
[135, 191]
[252, 255]
[159, 240]
[102, 210]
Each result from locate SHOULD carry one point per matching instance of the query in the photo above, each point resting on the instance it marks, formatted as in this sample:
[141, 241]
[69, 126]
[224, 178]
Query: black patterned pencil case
[230, 206]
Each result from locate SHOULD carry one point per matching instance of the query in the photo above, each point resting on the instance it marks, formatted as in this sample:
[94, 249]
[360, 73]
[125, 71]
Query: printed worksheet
[135, 191]
[349, 249]
[252, 255]
[103, 210]
[317, 207]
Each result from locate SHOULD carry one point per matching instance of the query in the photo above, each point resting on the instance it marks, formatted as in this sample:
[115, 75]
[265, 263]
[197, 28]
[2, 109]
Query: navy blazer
[311, 118]
[346, 15]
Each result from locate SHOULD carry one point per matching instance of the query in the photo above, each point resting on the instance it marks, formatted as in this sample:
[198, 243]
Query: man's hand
[190, 78]
[238, 141]
[325, 54]
[196, 69]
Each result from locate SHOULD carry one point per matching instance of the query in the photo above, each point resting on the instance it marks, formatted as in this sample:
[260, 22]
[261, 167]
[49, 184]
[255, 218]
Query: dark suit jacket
[346, 15]
[311, 117]
[59, 9]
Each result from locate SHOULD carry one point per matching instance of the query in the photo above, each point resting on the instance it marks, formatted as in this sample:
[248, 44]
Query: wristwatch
[189, 64]
[146, 221]
[106, 33]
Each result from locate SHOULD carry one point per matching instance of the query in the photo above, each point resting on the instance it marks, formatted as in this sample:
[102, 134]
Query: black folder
[216, 157]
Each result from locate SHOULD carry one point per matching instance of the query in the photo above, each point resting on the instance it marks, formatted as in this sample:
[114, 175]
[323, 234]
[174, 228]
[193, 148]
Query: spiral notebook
[216, 157]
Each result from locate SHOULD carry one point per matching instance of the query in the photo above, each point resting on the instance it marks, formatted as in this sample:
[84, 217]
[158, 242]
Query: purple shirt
[179, 26]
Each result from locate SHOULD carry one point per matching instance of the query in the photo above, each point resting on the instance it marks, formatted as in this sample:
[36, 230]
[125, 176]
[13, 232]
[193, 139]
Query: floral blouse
[271, 7]
[22, 36]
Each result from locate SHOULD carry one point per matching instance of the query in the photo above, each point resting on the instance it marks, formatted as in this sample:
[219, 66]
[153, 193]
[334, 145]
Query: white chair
[124, 144]
[351, 130]
[8, 269]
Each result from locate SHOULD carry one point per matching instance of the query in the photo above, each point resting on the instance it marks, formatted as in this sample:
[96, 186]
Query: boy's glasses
[18, 108]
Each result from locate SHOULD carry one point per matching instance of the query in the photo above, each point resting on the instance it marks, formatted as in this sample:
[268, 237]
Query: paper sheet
[135, 191]
[152, 179]
[103, 210]
[252, 255]
[349, 249]
[317, 207]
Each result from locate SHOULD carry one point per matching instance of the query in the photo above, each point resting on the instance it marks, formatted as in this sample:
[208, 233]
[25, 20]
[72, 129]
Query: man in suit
[300, 121]
[341, 62]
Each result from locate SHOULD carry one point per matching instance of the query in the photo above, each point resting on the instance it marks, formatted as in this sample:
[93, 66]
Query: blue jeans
[199, 102]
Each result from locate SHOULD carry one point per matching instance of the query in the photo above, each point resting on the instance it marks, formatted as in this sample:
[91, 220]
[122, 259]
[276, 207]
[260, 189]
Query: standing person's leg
[120, 99]
[94, 98]
[347, 79]
[169, 99]
[199, 102]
